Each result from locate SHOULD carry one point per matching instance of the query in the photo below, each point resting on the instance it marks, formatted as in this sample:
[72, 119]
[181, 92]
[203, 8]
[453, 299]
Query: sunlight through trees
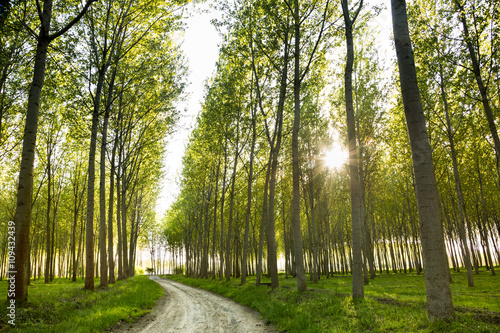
[319, 148]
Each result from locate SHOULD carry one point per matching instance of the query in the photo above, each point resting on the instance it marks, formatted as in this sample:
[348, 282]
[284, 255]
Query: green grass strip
[63, 306]
[393, 303]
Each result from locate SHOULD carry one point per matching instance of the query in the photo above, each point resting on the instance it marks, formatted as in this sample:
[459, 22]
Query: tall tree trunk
[206, 234]
[78, 197]
[53, 237]
[356, 216]
[89, 236]
[366, 233]
[231, 203]
[118, 218]
[73, 238]
[214, 237]
[309, 205]
[134, 232]
[89, 279]
[263, 221]
[436, 272]
[49, 205]
[125, 267]
[458, 189]
[415, 244]
[221, 269]
[483, 231]
[249, 200]
[271, 234]
[103, 282]
[22, 218]
[79, 256]
[285, 241]
[296, 229]
[111, 263]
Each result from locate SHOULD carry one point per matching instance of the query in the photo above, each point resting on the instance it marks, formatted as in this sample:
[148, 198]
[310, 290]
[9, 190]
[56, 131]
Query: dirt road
[188, 309]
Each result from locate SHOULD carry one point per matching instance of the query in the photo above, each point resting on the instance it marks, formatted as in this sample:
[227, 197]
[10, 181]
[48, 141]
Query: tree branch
[75, 20]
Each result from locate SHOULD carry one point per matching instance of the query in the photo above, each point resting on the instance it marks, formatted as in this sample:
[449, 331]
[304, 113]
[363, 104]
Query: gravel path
[188, 309]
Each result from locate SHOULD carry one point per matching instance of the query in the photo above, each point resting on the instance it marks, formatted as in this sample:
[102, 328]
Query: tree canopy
[325, 143]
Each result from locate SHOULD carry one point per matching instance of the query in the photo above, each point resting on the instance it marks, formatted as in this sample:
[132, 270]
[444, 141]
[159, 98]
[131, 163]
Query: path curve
[189, 309]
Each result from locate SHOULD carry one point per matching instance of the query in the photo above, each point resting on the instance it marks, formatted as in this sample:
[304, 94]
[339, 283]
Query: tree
[438, 291]
[356, 216]
[25, 189]
[476, 69]
[104, 52]
[299, 75]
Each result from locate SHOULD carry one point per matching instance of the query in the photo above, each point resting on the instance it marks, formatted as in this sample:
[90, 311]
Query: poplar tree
[436, 273]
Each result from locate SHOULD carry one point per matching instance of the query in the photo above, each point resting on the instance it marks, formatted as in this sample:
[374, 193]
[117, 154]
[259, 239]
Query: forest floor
[392, 303]
[187, 309]
[64, 306]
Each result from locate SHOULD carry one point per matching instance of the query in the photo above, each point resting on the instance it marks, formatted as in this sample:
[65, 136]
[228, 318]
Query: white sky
[200, 46]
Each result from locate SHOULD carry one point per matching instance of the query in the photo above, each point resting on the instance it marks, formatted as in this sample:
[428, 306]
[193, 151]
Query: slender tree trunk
[102, 205]
[356, 217]
[53, 237]
[89, 237]
[271, 234]
[22, 217]
[483, 231]
[249, 200]
[111, 264]
[73, 237]
[214, 237]
[78, 196]
[231, 203]
[186, 245]
[366, 233]
[118, 217]
[472, 242]
[436, 272]
[285, 241]
[221, 270]
[415, 245]
[89, 280]
[206, 235]
[296, 229]
[124, 225]
[131, 243]
[136, 218]
[49, 205]
[309, 207]
[458, 190]
[265, 212]
[79, 257]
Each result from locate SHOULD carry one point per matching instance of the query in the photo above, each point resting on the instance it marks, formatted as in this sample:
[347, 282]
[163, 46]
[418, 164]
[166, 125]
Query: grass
[64, 306]
[393, 303]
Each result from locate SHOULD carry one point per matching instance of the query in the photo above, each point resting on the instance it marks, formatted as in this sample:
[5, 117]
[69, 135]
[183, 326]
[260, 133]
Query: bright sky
[200, 47]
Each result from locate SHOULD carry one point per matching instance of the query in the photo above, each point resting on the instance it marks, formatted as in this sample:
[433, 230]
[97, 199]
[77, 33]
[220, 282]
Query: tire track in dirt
[189, 309]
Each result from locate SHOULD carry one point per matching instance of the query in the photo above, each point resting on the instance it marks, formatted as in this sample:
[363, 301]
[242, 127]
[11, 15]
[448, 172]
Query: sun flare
[335, 157]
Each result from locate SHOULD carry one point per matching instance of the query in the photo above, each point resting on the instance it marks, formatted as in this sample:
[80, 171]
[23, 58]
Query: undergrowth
[64, 306]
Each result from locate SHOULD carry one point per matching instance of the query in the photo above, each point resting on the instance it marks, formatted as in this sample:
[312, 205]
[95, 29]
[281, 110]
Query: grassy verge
[393, 303]
[64, 306]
